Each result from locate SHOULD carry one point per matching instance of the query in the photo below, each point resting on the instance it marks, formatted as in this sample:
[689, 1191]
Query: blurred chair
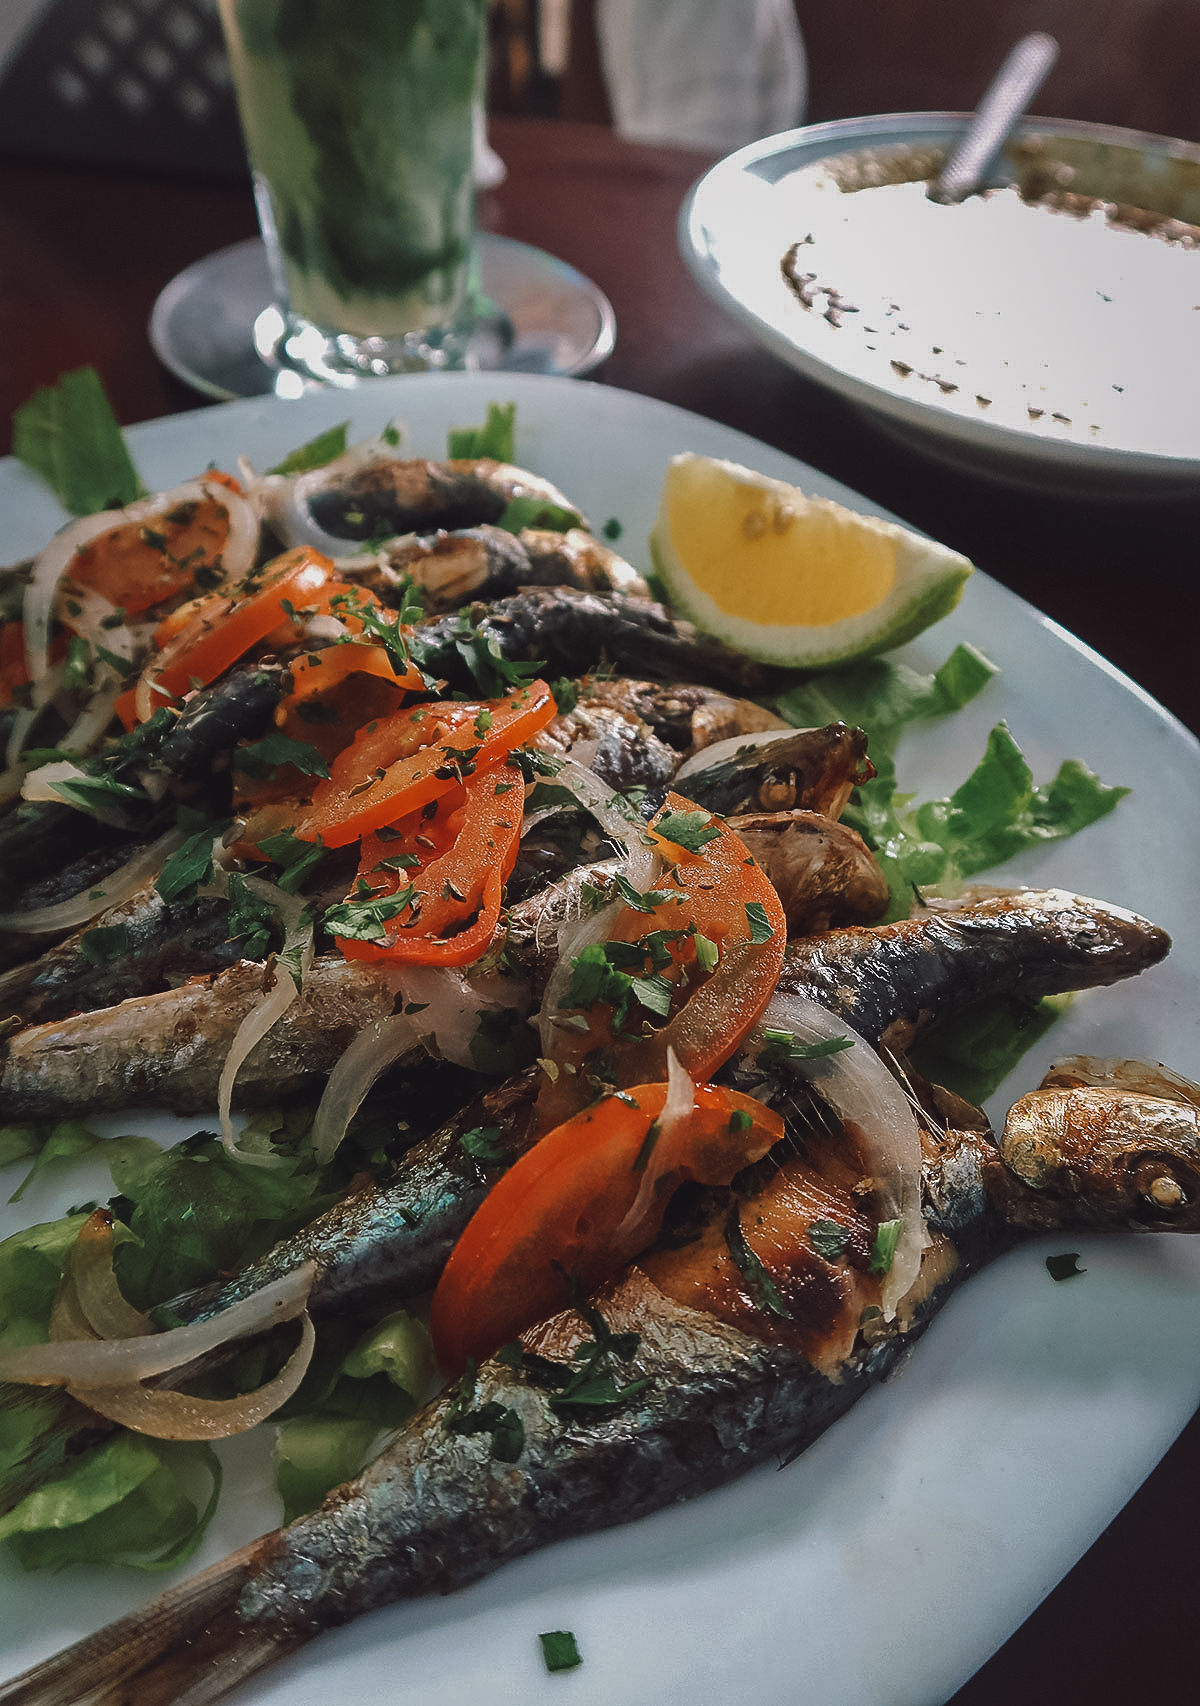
[137, 83]
[702, 73]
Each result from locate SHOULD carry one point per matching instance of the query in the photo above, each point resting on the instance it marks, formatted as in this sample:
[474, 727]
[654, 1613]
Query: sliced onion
[177, 1415]
[266, 1013]
[616, 817]
[677, 1110]
[91, 1274]
[108, 892]
[367, 1058]
[237, 555]
[451, 1003]
[287, 498]
[258, 1021]
[861, 1090]
[112, 1362]
[641, 868]
[725, 751]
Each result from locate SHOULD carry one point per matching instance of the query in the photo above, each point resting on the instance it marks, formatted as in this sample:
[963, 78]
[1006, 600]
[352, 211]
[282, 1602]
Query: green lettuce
[69, 435]
[996, 812]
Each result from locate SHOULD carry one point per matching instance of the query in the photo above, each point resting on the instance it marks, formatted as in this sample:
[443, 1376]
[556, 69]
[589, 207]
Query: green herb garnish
[828, 1238]
[751, 1268]
[560, 1650]
[1064, 1267]
[319, 451]
[883, 1250]
[689, 830]
[69, 435]
[495, 438]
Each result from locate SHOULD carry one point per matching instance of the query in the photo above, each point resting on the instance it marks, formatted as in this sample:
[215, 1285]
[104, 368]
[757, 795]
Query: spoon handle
[1007, 96]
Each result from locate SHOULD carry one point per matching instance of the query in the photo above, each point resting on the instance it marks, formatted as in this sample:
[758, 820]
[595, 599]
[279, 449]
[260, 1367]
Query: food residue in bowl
[1062, 313]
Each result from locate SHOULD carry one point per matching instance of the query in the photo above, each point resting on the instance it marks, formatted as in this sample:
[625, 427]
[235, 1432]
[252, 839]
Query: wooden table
[83, 256]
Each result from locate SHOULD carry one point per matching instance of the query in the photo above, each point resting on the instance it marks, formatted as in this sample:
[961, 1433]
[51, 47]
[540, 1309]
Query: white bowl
[1051, 388]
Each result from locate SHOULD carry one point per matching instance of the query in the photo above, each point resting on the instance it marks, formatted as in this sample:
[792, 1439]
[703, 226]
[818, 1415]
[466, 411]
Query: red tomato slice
[396, 766]
[560, 1217]
[712, 893]
[456, 854]
[202, 641]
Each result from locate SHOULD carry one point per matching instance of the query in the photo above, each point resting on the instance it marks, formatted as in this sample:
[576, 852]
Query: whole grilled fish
[513, 1459]
[437, 1184]
[571, 633]
[450, 568]
[887, 981]
[394, 495]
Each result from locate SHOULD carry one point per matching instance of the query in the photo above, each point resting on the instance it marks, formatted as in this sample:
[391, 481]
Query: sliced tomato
[455, 854]
[401, 763]
[719, 893]
[140, 563]
[14, 670]
[212, 633]
[576, 1208]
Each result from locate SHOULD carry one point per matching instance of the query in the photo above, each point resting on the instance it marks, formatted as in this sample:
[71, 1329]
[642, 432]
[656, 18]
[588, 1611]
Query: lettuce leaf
[996, 813]
[69, 435]
[495, 438]
[123, 1502]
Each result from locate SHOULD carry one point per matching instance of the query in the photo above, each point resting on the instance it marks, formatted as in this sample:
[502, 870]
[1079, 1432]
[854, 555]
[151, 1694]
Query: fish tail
[187, 1648]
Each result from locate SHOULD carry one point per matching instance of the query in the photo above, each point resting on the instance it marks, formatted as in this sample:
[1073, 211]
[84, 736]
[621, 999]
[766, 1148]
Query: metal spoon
[1006, 97]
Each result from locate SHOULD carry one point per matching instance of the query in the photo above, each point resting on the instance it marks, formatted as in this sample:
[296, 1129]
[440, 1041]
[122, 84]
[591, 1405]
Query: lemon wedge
[790, 579]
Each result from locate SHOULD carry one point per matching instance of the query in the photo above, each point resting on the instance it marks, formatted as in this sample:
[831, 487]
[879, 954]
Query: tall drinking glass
[359, 120]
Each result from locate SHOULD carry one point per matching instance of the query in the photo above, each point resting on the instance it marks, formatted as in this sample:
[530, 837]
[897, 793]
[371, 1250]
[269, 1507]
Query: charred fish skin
[390, 495]
[441, 1507]
[573, 633]
[890, 981]
[167, 942]
[168, 1050]
[716, 1405]
[804, 769]
[393, 1242]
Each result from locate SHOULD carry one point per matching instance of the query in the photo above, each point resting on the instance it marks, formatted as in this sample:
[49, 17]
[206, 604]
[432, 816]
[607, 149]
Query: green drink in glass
[359, 120]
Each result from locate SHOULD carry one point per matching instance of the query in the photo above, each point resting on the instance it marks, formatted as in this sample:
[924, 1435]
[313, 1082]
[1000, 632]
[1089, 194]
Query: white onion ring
[859, 1087]
[722, 751]
[110, 1362]
[285, 498]
[237, 556]
[80, 908]
[373, 1050]
[615, 816]
[177, 1415]
[677, 1110]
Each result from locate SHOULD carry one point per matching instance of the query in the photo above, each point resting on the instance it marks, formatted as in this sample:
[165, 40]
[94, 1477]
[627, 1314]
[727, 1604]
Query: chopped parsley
[529, 510]
[367, 920]
[297, 859]
[781, 1047]
[883, 1250]
[267, 756]
[1064, 1267]
[483, 1143]
[326, 447]
[828, 1238]
[108, 942]
[560, 1650]
[760, 924]
[689, 830]
[751, 1268]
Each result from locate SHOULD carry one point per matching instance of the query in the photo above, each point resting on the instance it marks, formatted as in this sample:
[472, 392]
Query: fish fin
[187, 1648]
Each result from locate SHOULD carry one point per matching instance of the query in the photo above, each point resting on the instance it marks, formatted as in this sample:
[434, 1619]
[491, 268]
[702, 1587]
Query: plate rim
[392, 391]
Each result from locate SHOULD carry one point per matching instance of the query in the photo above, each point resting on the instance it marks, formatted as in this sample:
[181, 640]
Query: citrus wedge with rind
[790, 579]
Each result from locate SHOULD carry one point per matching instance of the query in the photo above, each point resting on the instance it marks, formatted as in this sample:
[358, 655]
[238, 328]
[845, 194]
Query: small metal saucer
[203, 324]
